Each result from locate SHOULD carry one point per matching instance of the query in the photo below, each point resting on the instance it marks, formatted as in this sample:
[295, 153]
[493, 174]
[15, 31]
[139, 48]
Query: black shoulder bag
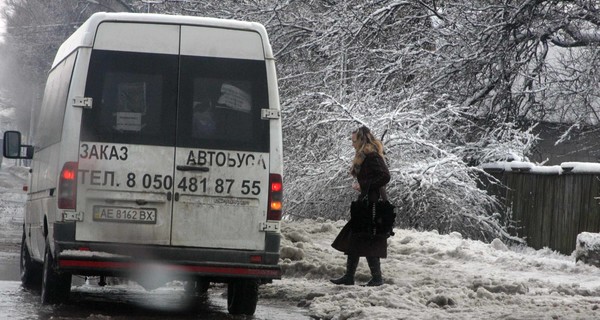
[377, 219]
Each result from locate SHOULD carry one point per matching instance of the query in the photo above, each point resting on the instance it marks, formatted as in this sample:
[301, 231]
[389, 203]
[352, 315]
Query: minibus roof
[84, 35]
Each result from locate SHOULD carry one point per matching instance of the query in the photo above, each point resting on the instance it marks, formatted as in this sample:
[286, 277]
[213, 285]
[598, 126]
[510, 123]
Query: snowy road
[88, 301]
[9, 266]
[127, 301]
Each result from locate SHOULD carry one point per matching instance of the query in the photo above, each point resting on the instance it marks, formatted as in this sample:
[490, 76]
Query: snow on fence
[551, 205]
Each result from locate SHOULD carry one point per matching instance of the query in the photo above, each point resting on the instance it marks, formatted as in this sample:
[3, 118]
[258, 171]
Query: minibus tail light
[67, 186]
[274, 211]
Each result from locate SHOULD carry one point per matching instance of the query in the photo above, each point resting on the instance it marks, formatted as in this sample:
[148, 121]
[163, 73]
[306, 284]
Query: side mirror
[12, 146]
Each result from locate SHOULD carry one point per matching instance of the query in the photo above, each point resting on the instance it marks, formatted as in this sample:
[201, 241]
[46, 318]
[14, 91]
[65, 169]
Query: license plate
[121, 214]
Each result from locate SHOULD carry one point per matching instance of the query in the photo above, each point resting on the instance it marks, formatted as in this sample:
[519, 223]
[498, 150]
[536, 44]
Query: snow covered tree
[35, 30]
[454, 84]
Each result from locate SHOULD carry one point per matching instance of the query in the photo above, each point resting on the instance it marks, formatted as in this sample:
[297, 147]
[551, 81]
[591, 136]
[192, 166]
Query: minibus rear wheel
[242, 297]
[55, 286]
[31, 272]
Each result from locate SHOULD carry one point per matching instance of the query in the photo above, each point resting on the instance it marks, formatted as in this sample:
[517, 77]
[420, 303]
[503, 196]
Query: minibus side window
[50, 123]
[134, 98]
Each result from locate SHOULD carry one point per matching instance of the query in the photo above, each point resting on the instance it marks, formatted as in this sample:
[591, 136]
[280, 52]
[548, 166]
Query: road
[90, 301]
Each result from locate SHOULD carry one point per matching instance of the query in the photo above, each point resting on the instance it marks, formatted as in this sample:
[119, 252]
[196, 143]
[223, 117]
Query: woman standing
[371, 172]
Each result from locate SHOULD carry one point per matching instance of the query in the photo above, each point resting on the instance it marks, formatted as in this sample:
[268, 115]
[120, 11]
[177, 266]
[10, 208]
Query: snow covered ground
[433, 276]
[12, 199]
[427, 275]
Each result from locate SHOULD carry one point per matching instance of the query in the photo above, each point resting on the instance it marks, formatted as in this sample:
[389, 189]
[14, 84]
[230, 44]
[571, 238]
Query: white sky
[2, 24]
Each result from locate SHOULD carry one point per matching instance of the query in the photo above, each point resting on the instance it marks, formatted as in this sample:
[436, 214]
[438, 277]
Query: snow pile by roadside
[12, 200]
[429, 275]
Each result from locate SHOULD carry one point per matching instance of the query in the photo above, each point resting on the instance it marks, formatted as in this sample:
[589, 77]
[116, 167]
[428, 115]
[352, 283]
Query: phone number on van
[160, 182]
[193, 184]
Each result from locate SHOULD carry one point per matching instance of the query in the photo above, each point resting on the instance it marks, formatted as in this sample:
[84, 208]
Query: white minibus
[157, 155]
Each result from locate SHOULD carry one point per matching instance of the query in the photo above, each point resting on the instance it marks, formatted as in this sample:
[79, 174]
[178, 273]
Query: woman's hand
[356, 186]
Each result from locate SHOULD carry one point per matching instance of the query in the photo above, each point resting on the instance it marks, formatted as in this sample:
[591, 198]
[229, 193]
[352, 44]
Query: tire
[55, 286]
[242, 297]
[30, 271]
[197, 287]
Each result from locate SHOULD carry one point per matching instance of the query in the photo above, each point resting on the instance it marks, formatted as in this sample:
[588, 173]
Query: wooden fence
[550, 210]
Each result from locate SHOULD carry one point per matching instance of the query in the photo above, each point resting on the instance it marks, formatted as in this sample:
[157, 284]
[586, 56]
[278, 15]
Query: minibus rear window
[134, 98]
[220, 102]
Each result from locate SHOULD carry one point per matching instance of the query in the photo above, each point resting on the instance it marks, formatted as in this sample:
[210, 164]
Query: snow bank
[12, 201]
[429, 276]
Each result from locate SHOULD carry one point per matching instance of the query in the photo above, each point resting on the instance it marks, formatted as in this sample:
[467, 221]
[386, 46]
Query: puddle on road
[124, 302]
[9, 266]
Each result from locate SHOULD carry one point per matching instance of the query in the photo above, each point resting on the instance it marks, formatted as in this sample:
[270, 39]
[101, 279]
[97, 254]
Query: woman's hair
[367, 143]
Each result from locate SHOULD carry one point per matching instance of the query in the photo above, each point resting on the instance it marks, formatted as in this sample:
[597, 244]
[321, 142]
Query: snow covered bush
[432, 184]
[383, 70]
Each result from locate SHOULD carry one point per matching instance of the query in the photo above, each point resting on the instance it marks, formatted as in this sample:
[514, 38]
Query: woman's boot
[348, 278]
[375, 266]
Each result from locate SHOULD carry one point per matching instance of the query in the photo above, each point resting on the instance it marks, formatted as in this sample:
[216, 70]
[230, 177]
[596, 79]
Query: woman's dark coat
[351, 240]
